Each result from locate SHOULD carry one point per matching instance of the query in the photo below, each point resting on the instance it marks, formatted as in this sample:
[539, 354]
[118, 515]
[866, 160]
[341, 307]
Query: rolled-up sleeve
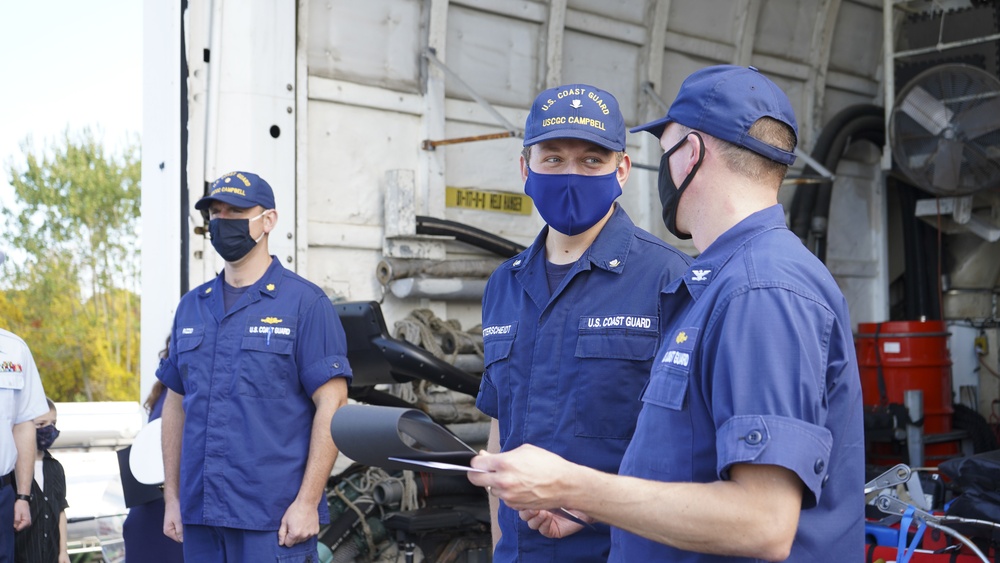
[801, 447]
[768, 384]
[322, 347]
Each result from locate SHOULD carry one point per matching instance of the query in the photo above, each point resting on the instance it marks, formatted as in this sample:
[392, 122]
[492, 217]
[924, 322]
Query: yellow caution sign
[502, 202]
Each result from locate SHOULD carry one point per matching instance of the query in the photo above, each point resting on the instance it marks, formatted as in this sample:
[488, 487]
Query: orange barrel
[913, 356]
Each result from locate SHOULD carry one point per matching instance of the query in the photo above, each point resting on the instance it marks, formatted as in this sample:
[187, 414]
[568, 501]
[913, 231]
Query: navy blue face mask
[572, 203]
[231, 237]
[46, 436]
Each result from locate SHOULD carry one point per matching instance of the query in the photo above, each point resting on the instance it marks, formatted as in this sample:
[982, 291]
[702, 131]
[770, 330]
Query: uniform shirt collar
[268, 284]
[703, 269]
[609, 251]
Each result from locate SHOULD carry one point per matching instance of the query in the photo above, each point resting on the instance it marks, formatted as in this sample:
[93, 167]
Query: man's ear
[524, 169]
[691, 151]
[623, 169]
[270, 220]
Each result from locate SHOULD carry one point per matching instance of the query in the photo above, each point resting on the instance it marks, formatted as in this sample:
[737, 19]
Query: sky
[67, 64]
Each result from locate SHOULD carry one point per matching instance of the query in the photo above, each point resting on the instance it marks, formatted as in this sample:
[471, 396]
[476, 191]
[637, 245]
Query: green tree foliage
[74, 297]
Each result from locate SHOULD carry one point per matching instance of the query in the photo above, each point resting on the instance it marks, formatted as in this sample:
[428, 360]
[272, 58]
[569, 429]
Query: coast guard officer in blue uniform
[256, 369]
[749, 445]
[570, 325]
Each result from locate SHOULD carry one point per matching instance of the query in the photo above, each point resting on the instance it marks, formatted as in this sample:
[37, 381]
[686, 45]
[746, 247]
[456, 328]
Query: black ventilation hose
[469, 235]
[868, 127]
[804, 201]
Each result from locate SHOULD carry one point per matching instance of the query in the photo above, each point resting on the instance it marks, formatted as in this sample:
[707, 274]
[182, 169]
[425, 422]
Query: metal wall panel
[705, 19]
[374, 42]
[496, 55]
[851, 55]
[785, 29]
[625, 10]
[608, 64]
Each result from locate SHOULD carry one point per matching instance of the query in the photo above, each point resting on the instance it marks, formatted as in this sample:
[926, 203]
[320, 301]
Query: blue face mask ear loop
[903, 554]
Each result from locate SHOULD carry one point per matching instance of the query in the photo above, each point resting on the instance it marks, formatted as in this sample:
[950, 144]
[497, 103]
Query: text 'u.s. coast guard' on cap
[239, 189]
[576, 111]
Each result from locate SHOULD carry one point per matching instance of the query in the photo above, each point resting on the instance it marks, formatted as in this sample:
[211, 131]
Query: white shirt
[21, 395]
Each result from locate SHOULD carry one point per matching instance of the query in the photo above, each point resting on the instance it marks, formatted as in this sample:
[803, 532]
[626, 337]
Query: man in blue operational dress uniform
[256, 369]
[749, 445]
[570, 325]
[22, 400]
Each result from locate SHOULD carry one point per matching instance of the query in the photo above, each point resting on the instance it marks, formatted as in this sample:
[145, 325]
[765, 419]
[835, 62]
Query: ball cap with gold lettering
[576, 111]
[725, 101]
[239, 189]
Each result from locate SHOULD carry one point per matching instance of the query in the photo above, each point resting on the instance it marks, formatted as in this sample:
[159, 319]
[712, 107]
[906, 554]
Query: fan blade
[928, 111]
[979, 120]
[947, 164]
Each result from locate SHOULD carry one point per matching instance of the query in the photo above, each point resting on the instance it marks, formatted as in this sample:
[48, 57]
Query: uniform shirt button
[754, 437]
[336, 364]
[818, 466]
[517, 262]
[825, 479]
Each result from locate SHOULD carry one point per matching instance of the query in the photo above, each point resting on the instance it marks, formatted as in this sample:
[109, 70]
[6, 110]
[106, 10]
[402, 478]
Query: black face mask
[45, 436]
[231, 237]
[670, 194]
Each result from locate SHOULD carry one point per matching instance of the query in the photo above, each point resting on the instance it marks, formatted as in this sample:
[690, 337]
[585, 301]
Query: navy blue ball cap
[576, 111]
[725, 101]
[239, 189]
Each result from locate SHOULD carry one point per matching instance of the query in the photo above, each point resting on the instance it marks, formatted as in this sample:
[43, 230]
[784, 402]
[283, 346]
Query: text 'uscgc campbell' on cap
[576, 111]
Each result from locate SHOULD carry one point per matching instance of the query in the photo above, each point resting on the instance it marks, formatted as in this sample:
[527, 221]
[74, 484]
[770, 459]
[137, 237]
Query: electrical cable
[965, 541]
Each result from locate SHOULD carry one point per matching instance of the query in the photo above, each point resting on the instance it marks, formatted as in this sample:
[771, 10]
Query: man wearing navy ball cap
[749, 445]
[256, 369]
[570, 324]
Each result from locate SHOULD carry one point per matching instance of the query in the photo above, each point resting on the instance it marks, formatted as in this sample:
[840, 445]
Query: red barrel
[913, 355]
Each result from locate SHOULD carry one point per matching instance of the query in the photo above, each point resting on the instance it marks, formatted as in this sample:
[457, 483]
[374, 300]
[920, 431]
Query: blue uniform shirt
[564, 371]
[756, 365]
[247, 377]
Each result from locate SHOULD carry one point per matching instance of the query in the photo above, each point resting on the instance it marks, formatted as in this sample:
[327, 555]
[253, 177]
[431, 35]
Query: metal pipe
[438, 288]
[391, 269]
[945, 46]
[429, 145]
[913, 399]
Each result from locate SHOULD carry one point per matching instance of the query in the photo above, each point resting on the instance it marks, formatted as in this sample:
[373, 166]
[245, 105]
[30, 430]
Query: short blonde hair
[750, 164]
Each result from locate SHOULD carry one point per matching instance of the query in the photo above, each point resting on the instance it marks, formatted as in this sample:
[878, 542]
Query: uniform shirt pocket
[668, 383]
[264, 366]
[613, 366]
[498, 343]
[10, 382]
[187, 344]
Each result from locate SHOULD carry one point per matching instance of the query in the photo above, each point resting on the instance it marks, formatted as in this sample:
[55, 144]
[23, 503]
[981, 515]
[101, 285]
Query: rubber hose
[805, 198]
[469, 235]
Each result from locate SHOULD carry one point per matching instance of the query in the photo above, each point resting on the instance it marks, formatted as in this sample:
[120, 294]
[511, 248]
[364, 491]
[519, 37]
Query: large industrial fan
[945, 130]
